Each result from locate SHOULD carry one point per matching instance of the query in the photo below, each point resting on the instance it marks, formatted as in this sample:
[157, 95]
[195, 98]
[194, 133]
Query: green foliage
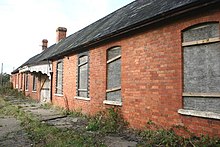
[8, 91]
[5, 80]
[47, 106]
[109, 121]
[72, 113]
[44, 135]
[162, 137]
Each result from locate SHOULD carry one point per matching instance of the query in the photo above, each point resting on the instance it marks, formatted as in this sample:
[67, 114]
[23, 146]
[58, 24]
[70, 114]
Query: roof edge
[155, 19]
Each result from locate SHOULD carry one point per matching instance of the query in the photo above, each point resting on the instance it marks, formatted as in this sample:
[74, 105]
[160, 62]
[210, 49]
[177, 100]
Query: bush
[157, 136]
[9, 91]
[109, 121]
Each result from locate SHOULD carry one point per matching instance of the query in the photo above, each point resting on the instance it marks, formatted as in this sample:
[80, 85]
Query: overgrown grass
[44, 135]
[9, 91]
[162, 137]
[109, 121]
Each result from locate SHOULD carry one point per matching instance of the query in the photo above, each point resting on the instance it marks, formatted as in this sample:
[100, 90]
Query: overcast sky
[24, 23]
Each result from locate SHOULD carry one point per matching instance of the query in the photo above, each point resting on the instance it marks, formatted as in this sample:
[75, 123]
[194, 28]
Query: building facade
[165, 70]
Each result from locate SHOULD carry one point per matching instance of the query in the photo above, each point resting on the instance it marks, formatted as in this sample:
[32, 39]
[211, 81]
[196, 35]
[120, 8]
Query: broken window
[83, 71]
[34, 83]
[113, 92]
[59, 78]
[201, 54]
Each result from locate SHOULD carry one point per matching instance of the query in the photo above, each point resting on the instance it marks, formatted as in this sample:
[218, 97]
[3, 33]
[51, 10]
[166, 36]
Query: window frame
[109, 90]
[206, 95]
[34, 88]
[78, 89]
[26, 82]
[61, 76]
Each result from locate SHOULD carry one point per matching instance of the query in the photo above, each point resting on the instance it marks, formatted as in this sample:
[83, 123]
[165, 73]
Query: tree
[4, 79]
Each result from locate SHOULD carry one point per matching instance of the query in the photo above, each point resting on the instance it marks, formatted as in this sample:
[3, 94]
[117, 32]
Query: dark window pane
[83, 59]
[202, 68]
[114, 52]
[114, 96]
[204, 31]
[114, 74]
[83, 77]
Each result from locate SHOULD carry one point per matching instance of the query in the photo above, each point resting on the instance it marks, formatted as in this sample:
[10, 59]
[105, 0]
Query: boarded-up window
[34, 83]
[201, 51]
[83, 71]
[59, 78]
[26, 81]
[113, 92]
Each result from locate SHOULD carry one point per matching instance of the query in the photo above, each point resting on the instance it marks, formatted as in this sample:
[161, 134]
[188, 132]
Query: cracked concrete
[10, 127]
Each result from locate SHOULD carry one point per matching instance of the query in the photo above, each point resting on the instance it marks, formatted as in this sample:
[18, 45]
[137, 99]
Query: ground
[12, 134]
[26, 123]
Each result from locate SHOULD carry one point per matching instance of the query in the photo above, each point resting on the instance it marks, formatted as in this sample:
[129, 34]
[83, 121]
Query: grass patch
[46, 106]
[109, 121]
[162, 137]
[8, 91]
[44, 135]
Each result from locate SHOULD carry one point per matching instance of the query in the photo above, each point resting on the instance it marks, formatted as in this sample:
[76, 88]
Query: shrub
[155, 135]
[109, 121]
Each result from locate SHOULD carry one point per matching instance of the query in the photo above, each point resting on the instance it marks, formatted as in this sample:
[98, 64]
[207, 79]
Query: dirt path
[11, 134]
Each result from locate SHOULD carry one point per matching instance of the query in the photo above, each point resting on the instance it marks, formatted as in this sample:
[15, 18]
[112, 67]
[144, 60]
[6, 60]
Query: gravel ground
[13, 135]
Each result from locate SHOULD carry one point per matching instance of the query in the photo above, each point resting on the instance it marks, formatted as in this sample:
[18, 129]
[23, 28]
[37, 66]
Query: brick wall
[13, 80]
[151, 77]
[33, 94]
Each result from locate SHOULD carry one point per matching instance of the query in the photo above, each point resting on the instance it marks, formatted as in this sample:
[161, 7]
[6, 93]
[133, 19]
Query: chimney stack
[44, 44]
[61, 33]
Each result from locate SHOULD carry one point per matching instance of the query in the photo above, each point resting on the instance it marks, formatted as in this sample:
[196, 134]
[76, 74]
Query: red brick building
[155, 61]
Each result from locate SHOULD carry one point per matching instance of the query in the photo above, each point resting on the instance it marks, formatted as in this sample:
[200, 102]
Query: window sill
[34, 91]
[117, 103]
[203, 114]
[82, 98]
[26, 90]
[60, 95]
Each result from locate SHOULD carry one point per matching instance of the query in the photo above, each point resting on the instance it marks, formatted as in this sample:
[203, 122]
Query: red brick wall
[151, 77]
[33, 94]
[13, 80]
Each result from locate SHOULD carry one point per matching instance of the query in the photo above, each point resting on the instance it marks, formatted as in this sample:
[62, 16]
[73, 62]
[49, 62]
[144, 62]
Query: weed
[163, 137]
[44, 135]
[46, 106]
[8, 91]
[109, 121]
[72, 113]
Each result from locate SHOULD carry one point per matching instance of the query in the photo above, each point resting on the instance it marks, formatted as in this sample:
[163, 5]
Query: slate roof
[126, 18]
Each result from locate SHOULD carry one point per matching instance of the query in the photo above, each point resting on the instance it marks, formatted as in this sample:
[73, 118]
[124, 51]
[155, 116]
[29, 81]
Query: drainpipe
[51, 86]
